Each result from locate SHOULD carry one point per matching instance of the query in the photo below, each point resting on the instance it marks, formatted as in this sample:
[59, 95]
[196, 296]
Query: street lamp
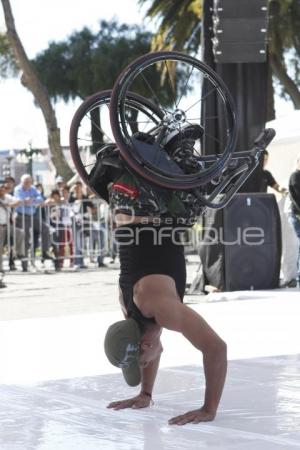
[10, 158]
[7, 168]
[29, 155]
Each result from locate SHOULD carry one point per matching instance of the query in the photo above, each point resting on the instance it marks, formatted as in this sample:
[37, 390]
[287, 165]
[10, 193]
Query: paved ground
[56, 294]
[40, 294]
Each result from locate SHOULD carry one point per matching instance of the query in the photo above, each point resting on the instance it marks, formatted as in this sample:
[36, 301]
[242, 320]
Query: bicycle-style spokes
[91, 130]
[179, 86]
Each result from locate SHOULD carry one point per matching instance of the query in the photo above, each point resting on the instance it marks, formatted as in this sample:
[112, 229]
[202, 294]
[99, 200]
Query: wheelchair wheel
[179, 87]
[90, 128]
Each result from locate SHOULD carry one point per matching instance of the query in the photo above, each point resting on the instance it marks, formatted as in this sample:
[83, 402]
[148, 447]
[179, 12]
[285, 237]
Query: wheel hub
[174, 119]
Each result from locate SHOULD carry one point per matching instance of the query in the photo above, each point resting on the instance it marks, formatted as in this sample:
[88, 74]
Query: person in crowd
[99, 231]
[267, 178]
[7, 202]
[41, 232]
[66, 234]
[81, 207]
[59, 184]
[16, 235]
[152, 283]
[53, 203]
[30, 198]
[294, 213]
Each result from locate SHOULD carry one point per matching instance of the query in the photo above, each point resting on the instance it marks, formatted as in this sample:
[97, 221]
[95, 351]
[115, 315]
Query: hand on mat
[140, 401]
[195, 416]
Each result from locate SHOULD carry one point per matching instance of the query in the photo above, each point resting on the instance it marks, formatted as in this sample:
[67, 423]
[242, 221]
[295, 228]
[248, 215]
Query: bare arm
[142, 400]
[156, 297]
[149, 375]
[202, 336]
[15, 203]
[279, 189]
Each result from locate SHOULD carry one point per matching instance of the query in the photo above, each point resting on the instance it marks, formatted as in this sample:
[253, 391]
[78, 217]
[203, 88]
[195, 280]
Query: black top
[294, 189]
[267, 180]
[85, 201]
[80, 212]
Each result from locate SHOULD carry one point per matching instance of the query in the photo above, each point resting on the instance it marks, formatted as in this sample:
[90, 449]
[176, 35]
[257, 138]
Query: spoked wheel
[179, 86]
[91, 130]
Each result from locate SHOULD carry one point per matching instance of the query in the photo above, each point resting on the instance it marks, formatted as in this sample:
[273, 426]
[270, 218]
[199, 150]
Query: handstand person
[152, 283]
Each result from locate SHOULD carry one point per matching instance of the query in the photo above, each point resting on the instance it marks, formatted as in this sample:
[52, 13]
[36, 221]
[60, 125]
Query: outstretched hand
[195, 416]
[140, 401]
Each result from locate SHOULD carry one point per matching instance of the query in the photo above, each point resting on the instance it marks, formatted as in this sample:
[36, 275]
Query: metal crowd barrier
[66, 231]
[72, 234]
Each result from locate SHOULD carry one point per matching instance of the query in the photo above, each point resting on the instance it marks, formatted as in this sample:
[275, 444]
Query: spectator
[98, 233]
[15, 235]
[81, 206]
[6, 203]
[41, 232]
[66, 235]
[53, 202]
[61, 221]
[59, 184]
[267, 178]
[294, 213]
[30, 198]
[10, 183]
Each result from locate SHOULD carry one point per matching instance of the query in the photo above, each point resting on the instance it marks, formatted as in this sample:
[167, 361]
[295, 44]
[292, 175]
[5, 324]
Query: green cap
[121, 345]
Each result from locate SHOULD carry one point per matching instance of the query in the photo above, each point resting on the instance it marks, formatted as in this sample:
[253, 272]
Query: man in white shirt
[7, 202]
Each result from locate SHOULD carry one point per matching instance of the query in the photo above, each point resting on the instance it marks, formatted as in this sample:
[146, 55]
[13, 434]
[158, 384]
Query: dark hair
[39, 185]
[265, 152]
[9, 178]
[54, 192]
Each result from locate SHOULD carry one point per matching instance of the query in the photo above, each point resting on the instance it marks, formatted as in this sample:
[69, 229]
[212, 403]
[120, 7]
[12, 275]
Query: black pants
[147, 250]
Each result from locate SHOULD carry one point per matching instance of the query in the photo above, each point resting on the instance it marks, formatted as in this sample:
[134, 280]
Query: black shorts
[147, 250]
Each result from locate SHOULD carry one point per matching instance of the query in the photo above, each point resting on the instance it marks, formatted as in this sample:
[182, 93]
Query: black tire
[96, 100]
[126, 83]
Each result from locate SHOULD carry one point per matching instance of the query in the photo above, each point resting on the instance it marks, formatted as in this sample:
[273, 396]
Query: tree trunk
[276, 53]
[32, 82]
[280, 72]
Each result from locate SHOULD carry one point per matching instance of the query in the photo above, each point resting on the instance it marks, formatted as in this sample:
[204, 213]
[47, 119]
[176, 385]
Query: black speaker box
[241, 246]
[240, 30]
[239, 52]
[236, 9]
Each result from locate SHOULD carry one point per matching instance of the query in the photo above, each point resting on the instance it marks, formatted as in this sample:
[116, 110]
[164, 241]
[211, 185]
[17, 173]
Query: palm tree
[179, 24]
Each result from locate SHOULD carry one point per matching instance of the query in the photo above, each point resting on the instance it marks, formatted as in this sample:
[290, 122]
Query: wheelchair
[159, 95]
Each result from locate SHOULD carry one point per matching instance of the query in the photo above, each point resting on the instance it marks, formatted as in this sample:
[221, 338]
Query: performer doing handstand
[149, 221]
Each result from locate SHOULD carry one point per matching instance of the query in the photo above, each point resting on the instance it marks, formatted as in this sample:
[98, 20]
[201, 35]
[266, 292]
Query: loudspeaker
[240, 30]
[241, 245]
[236, 9]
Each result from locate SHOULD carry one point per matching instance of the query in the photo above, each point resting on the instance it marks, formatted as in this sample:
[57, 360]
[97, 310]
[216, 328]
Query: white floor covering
[55, 382]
